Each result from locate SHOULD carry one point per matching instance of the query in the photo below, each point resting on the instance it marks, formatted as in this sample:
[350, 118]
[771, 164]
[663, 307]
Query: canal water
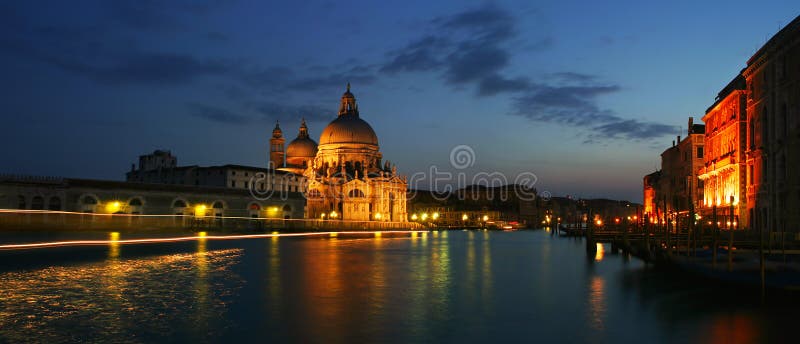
[445, 286]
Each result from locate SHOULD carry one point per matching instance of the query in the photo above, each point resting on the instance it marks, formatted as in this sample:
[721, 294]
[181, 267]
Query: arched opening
[355, 193]
[37, 203]
[135, 205]
[392, 215]
[254, 209]
[54, 204]
[179, 203]
[89, 203]
[219, 208]
[21, 204]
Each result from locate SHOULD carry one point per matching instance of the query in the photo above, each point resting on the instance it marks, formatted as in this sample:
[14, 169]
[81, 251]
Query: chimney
[679, 139]
[133, 167]
[673, 143]
[691, 124]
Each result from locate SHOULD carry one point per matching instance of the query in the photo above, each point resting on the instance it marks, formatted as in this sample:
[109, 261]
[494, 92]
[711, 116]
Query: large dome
[302, 147]
[348, 129]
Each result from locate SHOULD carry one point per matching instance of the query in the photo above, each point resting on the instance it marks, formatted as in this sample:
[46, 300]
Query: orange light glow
[113, 207]
[377, 234]
[600, 252]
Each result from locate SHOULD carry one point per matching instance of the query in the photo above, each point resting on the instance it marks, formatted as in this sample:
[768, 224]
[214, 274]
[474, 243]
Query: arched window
[218, 205]
[55, 203]
[287, 207]
[355, 193]
[179, 204]
[21, 202]
[37, 203]
[88, 200]
[135, 202]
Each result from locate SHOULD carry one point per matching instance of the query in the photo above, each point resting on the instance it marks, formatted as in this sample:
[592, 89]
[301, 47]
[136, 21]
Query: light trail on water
[68, 243]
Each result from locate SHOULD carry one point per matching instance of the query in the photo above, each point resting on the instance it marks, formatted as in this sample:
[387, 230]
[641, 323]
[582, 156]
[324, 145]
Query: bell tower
[276, 152]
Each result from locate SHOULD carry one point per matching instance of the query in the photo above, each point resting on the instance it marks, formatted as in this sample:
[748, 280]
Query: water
[455, 286]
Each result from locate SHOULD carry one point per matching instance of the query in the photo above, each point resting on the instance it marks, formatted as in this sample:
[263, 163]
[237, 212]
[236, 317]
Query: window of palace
[55, 203]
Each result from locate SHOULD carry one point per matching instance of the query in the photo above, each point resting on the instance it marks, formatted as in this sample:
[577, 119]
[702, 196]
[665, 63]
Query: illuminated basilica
[345, 177]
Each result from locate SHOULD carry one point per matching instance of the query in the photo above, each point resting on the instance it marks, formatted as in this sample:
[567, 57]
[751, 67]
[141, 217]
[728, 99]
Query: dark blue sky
[585, 95]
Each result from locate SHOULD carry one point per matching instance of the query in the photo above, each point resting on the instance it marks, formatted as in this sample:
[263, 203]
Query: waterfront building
[258, 179]
[652, 211]
[677, 190]
[117, 197]
[773, 132]
[347, 178]
[751, 168]
[723, 173]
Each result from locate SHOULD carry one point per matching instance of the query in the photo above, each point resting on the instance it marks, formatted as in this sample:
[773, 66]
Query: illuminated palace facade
[751, 165]
[345, 177]
[723, 173]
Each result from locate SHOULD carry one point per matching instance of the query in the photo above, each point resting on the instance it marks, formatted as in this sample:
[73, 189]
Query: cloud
[474, 48]
[494, 84]
[487, 23]
[632, 129]
[576, 106]
[470, 48]
[422, 55]
[215, 114]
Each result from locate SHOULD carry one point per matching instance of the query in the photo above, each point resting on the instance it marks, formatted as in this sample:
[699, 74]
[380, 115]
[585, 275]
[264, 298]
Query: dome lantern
[348, 105]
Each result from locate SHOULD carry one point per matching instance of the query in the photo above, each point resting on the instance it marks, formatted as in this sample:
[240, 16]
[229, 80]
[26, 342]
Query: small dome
[301, 147]
[348, 129]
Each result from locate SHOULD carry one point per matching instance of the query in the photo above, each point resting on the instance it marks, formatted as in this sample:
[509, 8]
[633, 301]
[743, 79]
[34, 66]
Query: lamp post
[730, 238]
[714, 235]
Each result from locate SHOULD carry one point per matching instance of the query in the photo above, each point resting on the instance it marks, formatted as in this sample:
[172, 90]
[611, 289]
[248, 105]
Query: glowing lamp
[414, 217]
[334, 214]
[424, 216]
[200, 210]
[113, 207]
[435, 216]
[485, 218]
[378, 216]
[465, 217]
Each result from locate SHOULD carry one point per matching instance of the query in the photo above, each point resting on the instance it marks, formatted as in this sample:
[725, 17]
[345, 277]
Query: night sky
[585, 95]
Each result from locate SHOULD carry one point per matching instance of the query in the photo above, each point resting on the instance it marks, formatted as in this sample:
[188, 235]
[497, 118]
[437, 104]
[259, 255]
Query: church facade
[345, 175]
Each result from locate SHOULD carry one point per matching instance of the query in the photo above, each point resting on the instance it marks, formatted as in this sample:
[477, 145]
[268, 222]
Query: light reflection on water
[432, 287]
[119, 300]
